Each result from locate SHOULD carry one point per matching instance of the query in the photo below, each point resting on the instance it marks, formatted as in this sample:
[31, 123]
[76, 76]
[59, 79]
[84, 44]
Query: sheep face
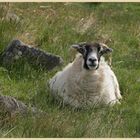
[91, 53]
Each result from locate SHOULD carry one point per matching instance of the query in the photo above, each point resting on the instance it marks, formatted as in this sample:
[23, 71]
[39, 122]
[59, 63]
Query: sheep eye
[99, 49]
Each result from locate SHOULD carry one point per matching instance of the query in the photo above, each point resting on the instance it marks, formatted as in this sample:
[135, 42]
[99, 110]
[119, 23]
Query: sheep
[88, 80]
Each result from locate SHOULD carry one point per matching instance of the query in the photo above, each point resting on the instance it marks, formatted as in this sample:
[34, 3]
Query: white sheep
[88, 80]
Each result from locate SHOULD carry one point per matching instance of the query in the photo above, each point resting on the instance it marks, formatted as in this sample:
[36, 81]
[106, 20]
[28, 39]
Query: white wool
[79, 87]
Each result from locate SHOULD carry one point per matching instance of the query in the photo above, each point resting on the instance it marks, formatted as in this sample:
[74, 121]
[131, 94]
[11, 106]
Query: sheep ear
[105, 49]
[79, 48]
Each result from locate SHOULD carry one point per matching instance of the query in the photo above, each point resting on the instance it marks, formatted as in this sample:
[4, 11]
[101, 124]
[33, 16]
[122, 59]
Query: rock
[11, 107]
[17, 50]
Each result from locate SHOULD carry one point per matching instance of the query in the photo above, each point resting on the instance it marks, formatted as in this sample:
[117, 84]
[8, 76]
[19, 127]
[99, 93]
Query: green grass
[55, 28]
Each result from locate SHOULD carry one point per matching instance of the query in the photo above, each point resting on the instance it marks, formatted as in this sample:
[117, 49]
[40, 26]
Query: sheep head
[91, 53]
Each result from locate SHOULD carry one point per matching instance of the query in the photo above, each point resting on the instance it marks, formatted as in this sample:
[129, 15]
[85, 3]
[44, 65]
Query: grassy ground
[54, 27]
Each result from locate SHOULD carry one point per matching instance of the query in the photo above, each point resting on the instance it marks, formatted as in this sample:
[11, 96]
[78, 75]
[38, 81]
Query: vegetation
[55, 27]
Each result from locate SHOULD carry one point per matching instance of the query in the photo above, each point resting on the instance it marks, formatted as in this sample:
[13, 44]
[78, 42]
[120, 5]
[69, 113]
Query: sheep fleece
[79, 87]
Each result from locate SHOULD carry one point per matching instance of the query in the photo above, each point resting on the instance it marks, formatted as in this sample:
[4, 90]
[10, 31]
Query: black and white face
[91, 60]
[91, 53]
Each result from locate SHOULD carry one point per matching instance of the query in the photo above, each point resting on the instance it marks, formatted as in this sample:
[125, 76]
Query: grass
[55, 28]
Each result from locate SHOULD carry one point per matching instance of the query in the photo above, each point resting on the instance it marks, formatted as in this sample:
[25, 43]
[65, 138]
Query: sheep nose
[92, 60]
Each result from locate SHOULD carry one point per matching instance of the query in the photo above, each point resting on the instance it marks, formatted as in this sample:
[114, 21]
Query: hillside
[54, 27]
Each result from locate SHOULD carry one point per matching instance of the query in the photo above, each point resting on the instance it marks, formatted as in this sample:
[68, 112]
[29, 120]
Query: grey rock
[38, 58]
[11, 106]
